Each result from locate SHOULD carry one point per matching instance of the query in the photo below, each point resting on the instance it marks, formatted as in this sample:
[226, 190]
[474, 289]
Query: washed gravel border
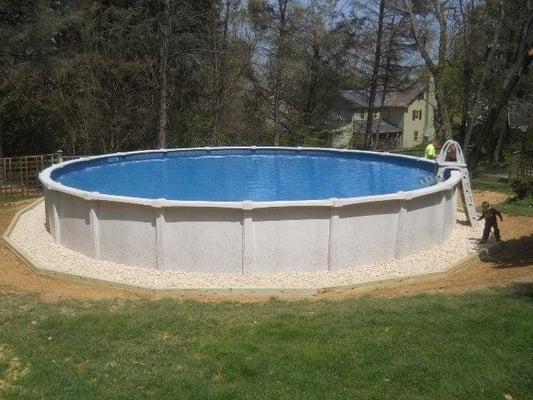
[30, 237]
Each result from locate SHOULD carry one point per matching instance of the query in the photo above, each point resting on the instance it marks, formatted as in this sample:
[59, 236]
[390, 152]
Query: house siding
[400, 116]
[410, 126]
[425, 125]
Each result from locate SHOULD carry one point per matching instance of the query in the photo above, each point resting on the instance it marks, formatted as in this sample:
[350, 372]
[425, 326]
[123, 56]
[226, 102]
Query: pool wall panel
[127, 234]
[295, 237]
[422, 226]
[363, 234]
[75, 225]
[196, 239]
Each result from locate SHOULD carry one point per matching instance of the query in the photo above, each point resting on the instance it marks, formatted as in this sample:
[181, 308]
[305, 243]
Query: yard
[464, 336]
[475, 345]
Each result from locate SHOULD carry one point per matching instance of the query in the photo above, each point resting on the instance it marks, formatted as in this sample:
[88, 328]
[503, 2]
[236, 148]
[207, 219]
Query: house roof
[403, 98]
[360, 126]
[385, 127]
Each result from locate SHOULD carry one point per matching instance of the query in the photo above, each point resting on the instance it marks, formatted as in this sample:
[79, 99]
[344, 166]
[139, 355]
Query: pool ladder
[459, 164]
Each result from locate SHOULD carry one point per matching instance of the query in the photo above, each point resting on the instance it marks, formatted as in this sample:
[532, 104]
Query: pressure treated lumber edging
[267, 292]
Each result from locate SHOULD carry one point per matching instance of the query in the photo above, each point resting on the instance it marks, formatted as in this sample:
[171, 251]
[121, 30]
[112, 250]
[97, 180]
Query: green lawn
[11, 198]
[492, 184]
[473, 346]
[511, 207]
[518, 207]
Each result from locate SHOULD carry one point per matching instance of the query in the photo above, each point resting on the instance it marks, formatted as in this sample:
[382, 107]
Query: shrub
[522, 187]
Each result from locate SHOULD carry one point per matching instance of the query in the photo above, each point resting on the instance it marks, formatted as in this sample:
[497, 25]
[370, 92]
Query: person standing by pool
[489, 214]
[430, 152]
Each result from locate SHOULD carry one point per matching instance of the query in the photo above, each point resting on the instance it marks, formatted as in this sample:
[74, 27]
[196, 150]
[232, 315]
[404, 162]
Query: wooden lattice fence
[19, 176]
[521, 164]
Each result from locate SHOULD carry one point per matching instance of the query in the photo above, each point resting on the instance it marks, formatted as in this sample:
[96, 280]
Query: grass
[476, 345]
[492, 184]
[11, 198]
[518, 207]
[491, 169]
[522, 207]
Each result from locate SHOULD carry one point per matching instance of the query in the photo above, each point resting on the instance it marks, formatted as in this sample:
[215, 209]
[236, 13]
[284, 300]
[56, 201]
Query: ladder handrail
[459, 156]
[458, 165]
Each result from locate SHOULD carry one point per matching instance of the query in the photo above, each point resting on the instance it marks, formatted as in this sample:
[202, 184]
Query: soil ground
[512, 264]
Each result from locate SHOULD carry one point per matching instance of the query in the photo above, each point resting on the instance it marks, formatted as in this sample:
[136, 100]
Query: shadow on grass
[522, 290]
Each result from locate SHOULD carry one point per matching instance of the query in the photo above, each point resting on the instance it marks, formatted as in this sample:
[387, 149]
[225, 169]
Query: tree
[485, 74]
[375, 73]
[164, 33]
[436, 67]
[522, 57]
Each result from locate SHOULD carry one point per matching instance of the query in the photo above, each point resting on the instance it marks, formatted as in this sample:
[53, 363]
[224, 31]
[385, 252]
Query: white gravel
[31, 238]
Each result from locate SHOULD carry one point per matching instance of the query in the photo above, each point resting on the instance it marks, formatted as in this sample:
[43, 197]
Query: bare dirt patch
[15, 276]
[492, 197]
[513, 264]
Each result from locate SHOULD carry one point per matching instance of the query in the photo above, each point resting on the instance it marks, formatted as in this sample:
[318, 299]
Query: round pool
[248, 210]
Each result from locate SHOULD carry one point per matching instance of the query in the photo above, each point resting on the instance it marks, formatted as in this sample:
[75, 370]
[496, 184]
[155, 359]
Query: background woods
[111, 75]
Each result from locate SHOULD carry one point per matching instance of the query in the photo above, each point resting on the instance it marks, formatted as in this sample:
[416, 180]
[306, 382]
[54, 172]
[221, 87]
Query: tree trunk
[164, 28]
[498, 148]
[278, 68]
[375, 73]
[437, 69]
[385, 83]
[442, 106]
[466, 68]
[220, 65]
[519, 68]
[489, 57]
[438, 73]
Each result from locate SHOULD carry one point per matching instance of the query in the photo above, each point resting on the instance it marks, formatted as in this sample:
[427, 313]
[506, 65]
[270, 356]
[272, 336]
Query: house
[405, 120]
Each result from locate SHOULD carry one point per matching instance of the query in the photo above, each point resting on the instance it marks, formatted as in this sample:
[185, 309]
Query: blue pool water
[237, 175]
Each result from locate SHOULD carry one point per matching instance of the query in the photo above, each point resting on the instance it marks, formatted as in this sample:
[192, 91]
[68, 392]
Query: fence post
[59, 156]
[26, 177]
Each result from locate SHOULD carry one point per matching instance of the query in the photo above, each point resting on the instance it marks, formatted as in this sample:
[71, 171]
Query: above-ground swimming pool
[248, 210]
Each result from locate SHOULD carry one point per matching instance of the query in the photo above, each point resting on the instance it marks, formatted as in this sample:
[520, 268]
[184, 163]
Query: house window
[416, 136]
[419, 114]
[415, 113]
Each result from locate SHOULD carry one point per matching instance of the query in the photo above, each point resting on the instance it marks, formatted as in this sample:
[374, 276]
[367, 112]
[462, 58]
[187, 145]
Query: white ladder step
[469, 197]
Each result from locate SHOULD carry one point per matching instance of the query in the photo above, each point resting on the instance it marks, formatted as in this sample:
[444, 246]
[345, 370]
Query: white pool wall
[250, 237]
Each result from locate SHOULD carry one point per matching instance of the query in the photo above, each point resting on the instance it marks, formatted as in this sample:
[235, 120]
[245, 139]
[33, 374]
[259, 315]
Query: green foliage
[83, 76]
[516, 206]
[86, 76]
[521, 203]
[474, 52]
[522, 187]
[492, 184]
[12, 198]
[434, 346]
